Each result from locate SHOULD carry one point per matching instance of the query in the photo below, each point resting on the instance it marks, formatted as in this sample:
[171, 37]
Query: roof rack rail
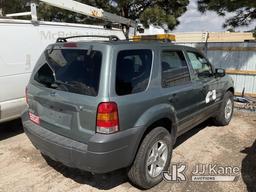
[110, 37]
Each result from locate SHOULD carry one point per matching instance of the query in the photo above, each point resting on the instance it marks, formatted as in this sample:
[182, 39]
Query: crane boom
[90, 11]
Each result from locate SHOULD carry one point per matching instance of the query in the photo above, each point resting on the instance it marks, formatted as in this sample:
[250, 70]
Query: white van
[21, 43]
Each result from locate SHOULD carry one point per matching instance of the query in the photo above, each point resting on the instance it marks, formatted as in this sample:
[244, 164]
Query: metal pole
[33, 11]
[89, 11]
[206, 43]
[18, 14]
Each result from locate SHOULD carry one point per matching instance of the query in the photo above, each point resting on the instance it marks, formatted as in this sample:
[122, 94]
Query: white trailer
[21, 43]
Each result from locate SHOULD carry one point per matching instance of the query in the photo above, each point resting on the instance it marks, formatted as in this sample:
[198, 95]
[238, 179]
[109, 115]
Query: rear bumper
[102, 154]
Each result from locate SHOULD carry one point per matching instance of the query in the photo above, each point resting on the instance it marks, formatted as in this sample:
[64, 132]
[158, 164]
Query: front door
[205, 81]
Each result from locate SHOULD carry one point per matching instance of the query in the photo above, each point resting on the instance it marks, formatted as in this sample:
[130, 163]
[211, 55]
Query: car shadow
[109, 180]
[181, 139]
[100, 181]
[10, 129]
[248, 169]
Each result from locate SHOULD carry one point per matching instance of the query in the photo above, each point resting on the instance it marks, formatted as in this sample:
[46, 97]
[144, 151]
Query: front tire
[226, 110]
[152, 159]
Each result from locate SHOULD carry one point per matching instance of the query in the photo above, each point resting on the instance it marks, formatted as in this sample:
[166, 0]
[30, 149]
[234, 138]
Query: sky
[194, 21]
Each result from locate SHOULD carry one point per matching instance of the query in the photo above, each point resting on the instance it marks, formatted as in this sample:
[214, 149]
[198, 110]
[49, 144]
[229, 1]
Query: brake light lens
[107, 118]
[26, 94]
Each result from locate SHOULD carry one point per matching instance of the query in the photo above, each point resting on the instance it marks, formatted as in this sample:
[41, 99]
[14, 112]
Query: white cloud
[193, 21]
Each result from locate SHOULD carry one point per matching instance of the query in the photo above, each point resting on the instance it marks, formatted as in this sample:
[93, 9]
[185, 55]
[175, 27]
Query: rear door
[177, 86]
[64, 89]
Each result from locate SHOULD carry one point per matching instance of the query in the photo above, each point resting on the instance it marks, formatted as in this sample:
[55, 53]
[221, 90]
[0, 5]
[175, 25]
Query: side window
[133, 71]
[174, 69]
[201, 66]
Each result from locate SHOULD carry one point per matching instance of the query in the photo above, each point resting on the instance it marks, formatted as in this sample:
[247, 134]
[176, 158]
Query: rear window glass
[70, 70]
[133, 71]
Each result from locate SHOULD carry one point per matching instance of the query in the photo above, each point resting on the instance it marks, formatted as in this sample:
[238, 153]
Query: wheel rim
[228, 109]
[157, 158]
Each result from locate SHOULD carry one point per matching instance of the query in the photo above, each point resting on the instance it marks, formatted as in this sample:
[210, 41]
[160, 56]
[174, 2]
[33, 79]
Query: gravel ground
[23, 168]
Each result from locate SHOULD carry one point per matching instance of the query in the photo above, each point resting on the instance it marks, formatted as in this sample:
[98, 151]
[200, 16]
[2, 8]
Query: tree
[157, 12]
[244, 10]
[254, 32]
[12, 6]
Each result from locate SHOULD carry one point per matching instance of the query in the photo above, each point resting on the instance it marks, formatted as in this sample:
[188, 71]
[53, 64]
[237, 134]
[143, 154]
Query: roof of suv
[131, 43]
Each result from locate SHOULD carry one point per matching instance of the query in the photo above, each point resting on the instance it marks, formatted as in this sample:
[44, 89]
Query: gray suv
[105, 105]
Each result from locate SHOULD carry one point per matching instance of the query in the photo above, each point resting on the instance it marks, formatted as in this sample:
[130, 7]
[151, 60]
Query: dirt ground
[22, 167]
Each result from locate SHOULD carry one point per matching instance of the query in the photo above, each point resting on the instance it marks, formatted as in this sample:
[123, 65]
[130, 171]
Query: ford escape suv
[105, 105]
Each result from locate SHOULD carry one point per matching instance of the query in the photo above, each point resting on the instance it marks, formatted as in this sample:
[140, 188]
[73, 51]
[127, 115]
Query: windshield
[71, 70]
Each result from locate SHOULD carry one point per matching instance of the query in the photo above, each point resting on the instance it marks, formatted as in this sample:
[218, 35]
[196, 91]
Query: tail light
[107, 118]
[26, 94]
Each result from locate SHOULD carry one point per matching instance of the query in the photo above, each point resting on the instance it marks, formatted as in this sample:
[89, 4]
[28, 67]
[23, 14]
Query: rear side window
[70, 70]
[174, 69]
[133, 71]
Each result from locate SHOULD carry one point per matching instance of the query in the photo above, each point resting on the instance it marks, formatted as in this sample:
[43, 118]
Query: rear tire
[152, 159]
[226, 110]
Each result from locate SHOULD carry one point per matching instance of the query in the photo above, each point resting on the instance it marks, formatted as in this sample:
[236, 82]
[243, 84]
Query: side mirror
[219, 72]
